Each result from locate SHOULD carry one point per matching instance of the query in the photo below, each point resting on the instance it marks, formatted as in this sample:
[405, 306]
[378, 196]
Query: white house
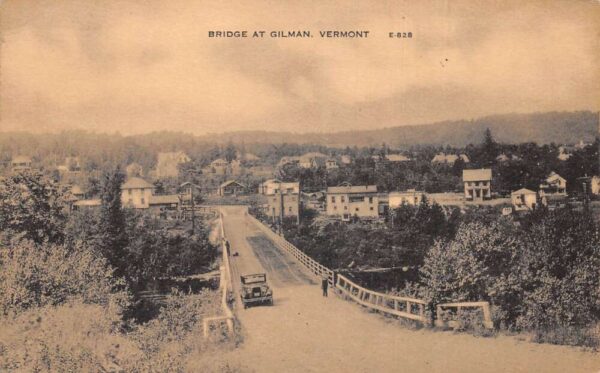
[397, 158]
[273, 186]
[20, 163]
[554, 184]
[524, 199]
[449, 158]
[478, 184]
[347, 201]
[595, 185]
[136, 193]
[331, 164]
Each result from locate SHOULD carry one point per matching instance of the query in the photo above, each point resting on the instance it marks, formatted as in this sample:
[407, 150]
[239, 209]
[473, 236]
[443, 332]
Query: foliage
[540, 273]
[33, 275]
[33, 207]
[79, 337]
[111, 238]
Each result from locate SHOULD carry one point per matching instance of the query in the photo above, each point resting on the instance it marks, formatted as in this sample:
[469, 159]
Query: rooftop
[477, 175]
[348, 189]
[163, 199]
[136, 183]
[522, 191]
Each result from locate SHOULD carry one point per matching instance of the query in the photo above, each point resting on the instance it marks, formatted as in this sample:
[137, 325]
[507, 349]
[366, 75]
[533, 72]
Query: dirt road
[305, 332]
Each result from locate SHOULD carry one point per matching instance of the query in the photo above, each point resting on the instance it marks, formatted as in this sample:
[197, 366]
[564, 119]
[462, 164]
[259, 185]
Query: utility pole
[281, 211]
[193, 210]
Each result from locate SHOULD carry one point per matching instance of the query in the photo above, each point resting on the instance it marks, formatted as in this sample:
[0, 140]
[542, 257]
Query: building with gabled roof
[231, 188]
[397, 158]
[554, 184]
[477, 184]
[349, 201]
[167, 164]
[136, 193]
[524, 199]
[449, 158]
[20, 163]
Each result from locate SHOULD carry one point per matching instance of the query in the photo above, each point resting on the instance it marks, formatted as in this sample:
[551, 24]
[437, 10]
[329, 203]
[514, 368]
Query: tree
[230, 152]
[489, 149]
[112, 238]
[33, 207]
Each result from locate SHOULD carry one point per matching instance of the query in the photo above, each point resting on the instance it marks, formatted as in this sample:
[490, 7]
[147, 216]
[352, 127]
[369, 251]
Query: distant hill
[543, 128]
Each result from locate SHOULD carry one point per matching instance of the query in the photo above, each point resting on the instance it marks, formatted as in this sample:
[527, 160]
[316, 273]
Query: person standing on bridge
[324, 285]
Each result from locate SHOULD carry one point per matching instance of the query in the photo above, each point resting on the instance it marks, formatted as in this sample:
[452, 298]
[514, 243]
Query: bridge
[306, 332]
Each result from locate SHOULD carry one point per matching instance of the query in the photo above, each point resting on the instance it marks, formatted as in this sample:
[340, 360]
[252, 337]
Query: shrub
[74, 337]
[34, 275]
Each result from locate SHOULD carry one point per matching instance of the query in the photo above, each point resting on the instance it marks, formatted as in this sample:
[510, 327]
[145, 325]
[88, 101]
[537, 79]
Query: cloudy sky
[139, 66]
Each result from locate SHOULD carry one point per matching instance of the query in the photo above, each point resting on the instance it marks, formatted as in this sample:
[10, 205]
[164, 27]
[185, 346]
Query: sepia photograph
[300, 186]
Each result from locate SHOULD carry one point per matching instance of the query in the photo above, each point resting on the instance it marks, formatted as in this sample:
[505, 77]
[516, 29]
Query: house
[595, 185]
[134, 170]
[409, 197]
[168, 163]
[268, 186]
[347, 201]
[20, 163]
[345, 159]
[77, 192]
[449, 158]
[554, 184]
[231, 188]
[285, 202]
[136, 193]
[331, 164]
[397, 158]
[564, 153]
[315, 200]
[235, 167]
[524, 199]
[219, 167]
[478, 184]
[312, 160]
[273, 186]
[288, 160]
[163, 203]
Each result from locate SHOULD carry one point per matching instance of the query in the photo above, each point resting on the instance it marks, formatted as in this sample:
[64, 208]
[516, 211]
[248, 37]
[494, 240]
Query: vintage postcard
[300, 186]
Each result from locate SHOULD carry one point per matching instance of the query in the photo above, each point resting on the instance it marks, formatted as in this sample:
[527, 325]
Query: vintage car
[255, 290]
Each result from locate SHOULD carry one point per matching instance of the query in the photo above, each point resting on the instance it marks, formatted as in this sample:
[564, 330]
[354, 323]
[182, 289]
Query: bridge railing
[408, 308]
[226, 289]
[312, 265]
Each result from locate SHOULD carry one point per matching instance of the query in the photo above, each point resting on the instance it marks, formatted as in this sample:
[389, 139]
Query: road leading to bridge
[304, 332]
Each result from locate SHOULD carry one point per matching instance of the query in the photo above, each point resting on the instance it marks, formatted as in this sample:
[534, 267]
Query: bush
[74, 337]
[34, 275]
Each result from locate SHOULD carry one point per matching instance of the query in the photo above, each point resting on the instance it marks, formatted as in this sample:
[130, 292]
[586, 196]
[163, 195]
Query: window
[371, 208]
[143, 201]
[345, 207]
[357, 209]
[335, 207]
[343, 199]
[356, 198]
[332, 199]
[290, 209]
[371, 200]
